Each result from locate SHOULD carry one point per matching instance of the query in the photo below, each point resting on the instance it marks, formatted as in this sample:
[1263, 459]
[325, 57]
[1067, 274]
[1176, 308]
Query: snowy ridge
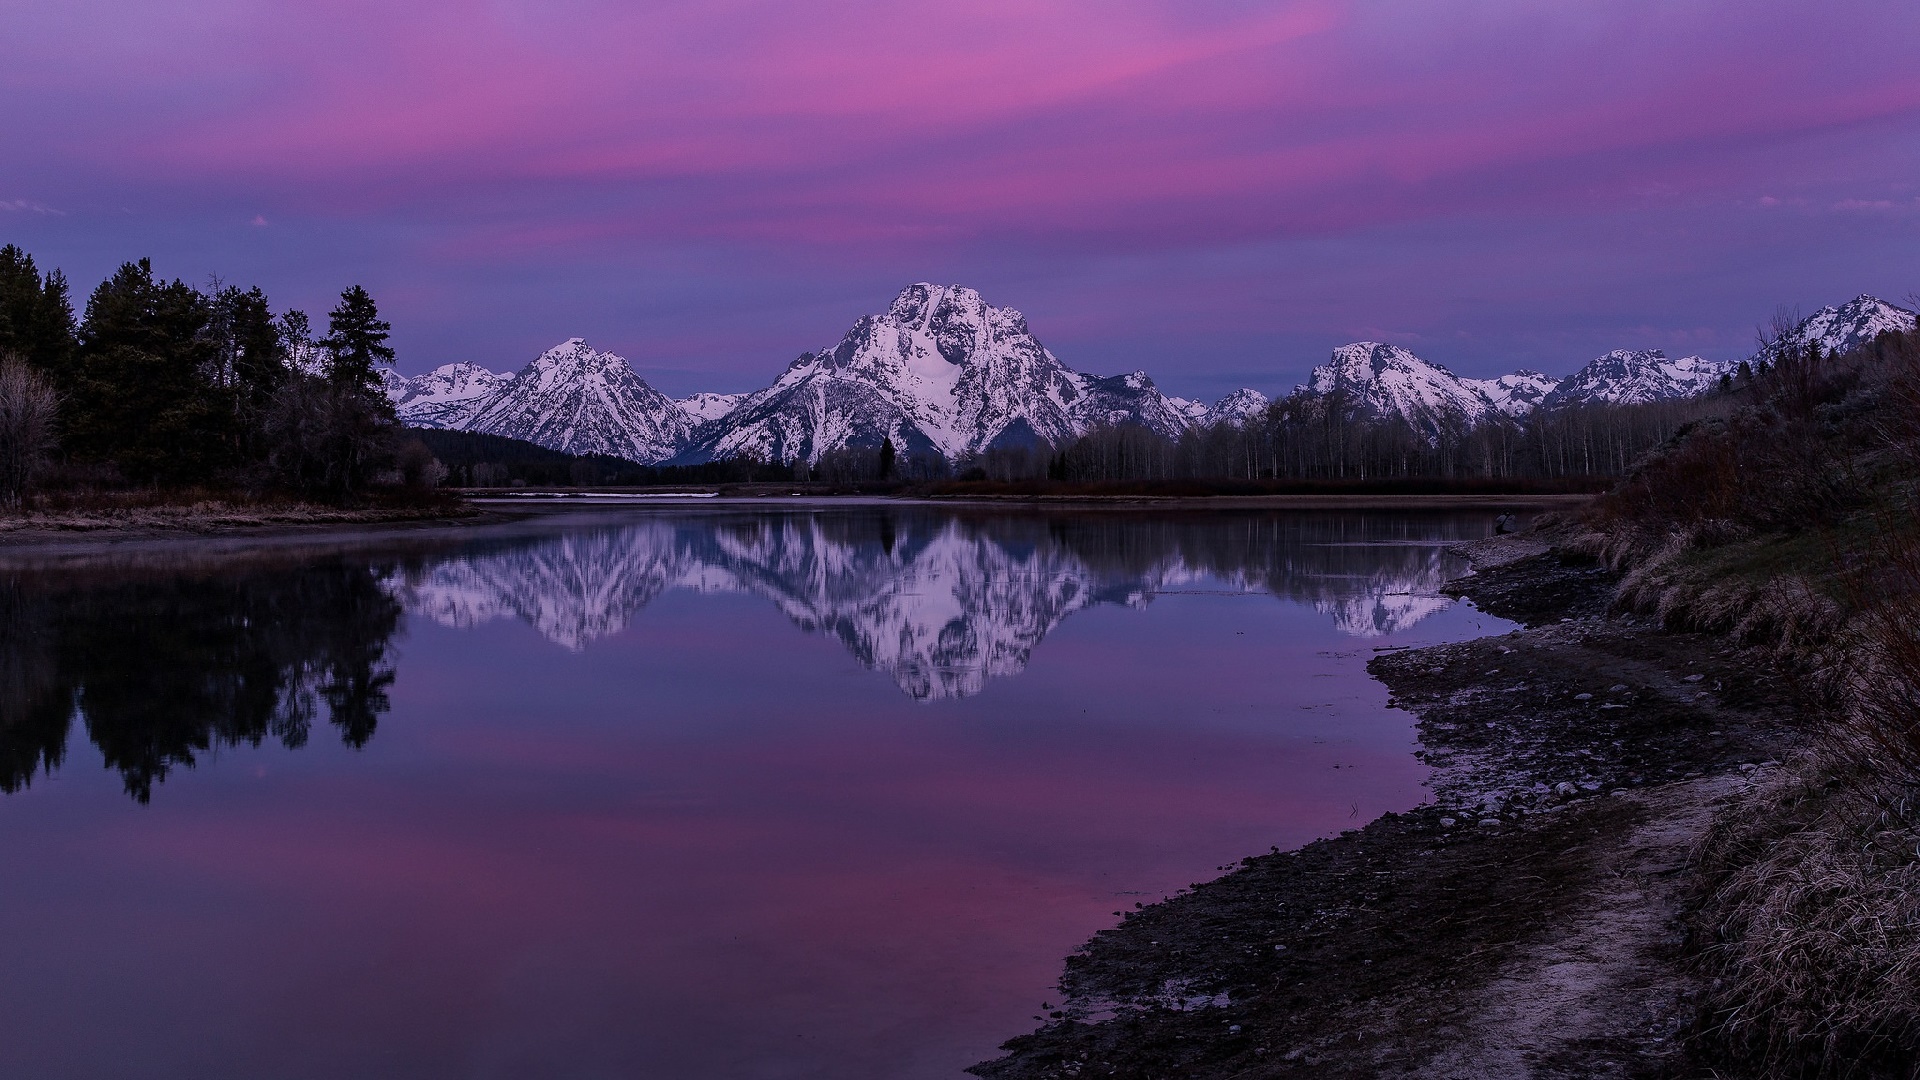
[1633, 377]
[447, 397]
[706, 406]
[1517, 394]
[1840, 329]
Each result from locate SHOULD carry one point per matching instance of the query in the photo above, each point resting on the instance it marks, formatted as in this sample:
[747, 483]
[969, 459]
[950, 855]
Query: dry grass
[1810, 915]
[1790, 525]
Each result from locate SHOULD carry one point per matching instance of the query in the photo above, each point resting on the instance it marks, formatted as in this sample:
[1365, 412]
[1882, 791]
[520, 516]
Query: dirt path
[1522, 924]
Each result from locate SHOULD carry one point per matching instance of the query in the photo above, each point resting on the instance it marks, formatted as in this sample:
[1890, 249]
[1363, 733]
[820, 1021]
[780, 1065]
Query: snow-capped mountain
[1632, 377]
[1517, 394]
[446, 397]
[1841, 329]
[1237, 408]
[941, 371]
[1385, 381]
[575, 399]
[705, 407]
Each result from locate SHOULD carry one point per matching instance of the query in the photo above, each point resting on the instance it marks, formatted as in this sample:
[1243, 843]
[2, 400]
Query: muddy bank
[1524, 923]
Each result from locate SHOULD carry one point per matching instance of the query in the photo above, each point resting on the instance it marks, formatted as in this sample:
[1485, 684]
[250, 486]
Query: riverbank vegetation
[1792, 522]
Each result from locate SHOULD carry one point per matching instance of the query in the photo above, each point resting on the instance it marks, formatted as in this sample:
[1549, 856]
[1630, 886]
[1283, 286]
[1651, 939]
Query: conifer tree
[36, 317]
[356, 341]
[141, 394]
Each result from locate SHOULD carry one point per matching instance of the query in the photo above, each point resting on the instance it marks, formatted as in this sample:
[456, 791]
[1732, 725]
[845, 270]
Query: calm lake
[716, 792]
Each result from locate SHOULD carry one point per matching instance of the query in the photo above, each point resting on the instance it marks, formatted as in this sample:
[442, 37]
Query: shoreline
[227, 529]
[1523, 922]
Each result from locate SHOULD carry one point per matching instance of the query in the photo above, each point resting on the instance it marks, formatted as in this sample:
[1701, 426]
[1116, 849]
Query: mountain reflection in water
[636, 792]
[162, 667]
[943, 602]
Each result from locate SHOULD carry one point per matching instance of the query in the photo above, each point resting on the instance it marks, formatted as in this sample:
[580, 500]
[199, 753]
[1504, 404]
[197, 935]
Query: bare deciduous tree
[28, 410]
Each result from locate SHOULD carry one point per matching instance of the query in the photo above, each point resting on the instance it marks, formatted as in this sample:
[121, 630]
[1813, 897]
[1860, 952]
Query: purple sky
[1219, 191]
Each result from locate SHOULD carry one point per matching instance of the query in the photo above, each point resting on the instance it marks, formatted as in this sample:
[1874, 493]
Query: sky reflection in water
[577, 800]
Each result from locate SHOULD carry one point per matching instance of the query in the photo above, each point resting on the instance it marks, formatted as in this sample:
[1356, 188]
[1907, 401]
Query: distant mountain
[1632, 377]
[940, 371]
[1517, 394]
[446, 397]
[576, 399]
[1841, 329]
[705, 407]
[1235, 408]
[1386, 381]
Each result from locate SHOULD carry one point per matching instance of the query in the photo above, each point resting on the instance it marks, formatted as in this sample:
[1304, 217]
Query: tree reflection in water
[164, 668]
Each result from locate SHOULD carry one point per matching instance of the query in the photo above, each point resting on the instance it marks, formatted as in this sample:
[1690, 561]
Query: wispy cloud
[28, 206]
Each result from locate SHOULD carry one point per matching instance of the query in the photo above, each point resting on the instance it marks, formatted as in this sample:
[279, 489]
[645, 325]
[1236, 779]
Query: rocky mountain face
[940, 371]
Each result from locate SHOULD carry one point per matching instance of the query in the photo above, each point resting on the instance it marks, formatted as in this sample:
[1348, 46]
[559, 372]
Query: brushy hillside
[1791, 522]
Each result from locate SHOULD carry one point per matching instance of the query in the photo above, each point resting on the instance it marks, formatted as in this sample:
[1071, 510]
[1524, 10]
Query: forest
[161, 385]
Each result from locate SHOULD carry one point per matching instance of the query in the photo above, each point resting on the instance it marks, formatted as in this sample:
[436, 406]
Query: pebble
[1565, 789]
[1489, 822]
[1583, 697]
[1616, 688]
[1693, 678]
[1448, 823]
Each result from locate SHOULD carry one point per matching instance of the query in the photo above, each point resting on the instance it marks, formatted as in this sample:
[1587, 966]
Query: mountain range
[942, 372]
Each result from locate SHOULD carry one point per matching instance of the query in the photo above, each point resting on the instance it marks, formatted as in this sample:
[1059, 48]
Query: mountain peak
[940, 371]
[1385, 381]
[1841, 329]
[581, 401]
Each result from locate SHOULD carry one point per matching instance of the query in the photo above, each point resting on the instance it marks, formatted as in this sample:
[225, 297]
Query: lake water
[678, 793]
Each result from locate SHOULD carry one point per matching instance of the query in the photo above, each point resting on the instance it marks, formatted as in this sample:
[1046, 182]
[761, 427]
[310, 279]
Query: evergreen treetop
[356, 341]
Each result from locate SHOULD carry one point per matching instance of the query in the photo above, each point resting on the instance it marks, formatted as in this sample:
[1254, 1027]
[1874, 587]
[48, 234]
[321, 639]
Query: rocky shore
[1526, 922]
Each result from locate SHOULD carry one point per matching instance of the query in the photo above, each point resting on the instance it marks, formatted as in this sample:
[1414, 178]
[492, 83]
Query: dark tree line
[161, 384]
[1327, 439]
